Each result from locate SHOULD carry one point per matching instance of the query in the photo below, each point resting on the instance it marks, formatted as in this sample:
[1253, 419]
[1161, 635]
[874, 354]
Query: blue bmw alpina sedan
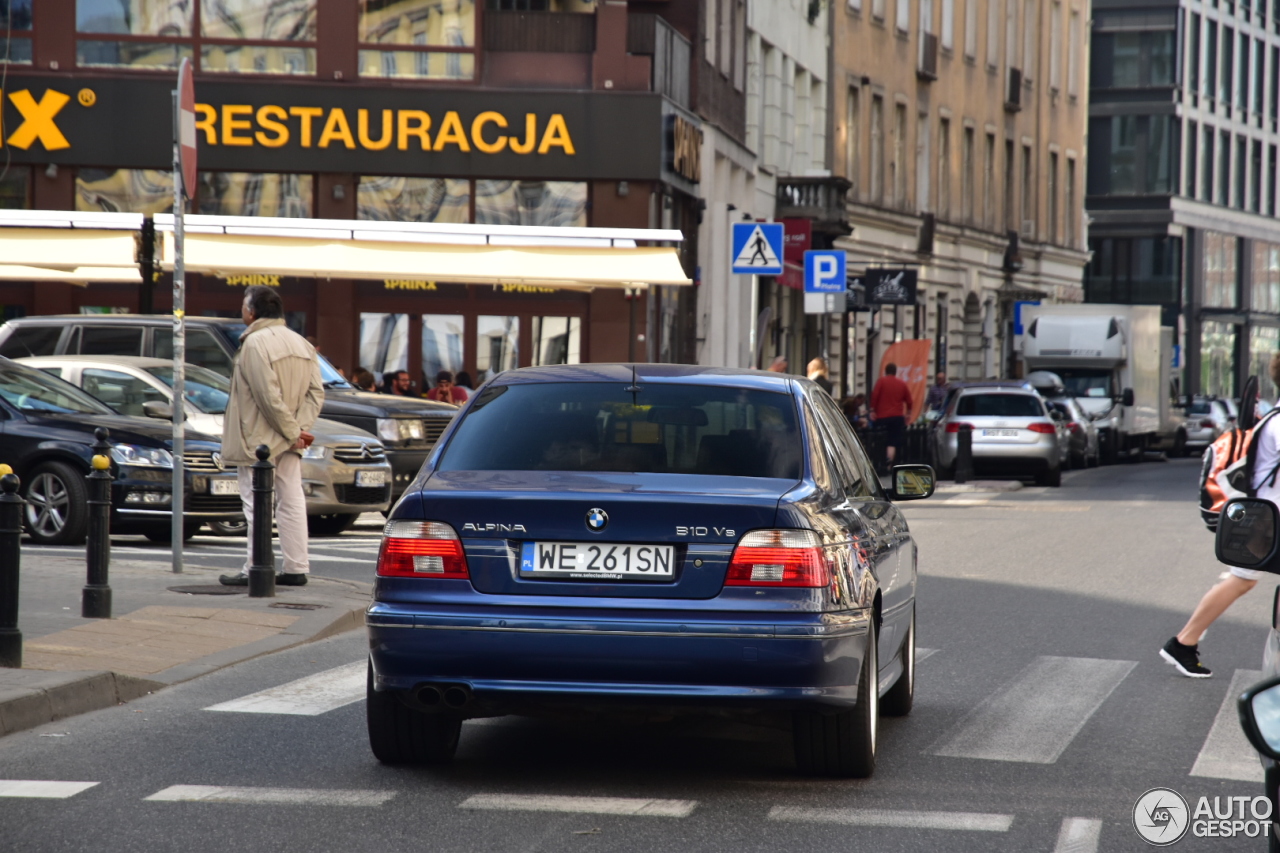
[659, 536]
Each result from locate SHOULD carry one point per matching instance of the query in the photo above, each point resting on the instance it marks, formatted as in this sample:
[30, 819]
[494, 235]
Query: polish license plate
[1000, 433]
[597, 561]
[367, 479]
[224, 486]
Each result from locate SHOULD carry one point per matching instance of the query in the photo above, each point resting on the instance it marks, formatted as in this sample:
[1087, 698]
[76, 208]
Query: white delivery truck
[1116, 361]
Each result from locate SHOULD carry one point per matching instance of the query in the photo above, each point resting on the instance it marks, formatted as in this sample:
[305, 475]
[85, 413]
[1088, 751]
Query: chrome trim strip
[848, 627]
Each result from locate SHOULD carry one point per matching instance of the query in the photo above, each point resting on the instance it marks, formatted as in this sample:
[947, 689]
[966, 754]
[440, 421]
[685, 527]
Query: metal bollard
[262, 571]
[964, 453]
[10, 533]
[95, 598]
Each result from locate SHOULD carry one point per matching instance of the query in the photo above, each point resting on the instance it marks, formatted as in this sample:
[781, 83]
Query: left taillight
[421, 549]
[779, 558]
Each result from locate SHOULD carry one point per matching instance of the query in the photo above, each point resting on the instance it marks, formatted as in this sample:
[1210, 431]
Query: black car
[408, 427]
[47, 436]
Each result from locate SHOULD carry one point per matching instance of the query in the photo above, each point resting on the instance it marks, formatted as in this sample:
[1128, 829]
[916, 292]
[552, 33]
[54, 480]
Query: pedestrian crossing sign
[757, 248]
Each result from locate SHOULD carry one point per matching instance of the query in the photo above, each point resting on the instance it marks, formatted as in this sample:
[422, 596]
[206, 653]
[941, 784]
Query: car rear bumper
[674, 658]
[1039, 455]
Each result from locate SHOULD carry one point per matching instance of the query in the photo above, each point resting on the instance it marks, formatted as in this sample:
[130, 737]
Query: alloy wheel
[48, 504]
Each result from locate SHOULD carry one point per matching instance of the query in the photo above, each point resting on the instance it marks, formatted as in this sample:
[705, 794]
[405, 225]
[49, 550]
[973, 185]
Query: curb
[33, 697]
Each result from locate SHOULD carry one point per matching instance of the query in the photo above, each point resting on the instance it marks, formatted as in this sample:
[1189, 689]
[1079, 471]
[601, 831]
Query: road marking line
[1079, 835]
[1226, 753]
[41, 790]
[269, 796]
[1034, 717]
[307, 697]
[580, 805]
[921, 654]
[970, 821]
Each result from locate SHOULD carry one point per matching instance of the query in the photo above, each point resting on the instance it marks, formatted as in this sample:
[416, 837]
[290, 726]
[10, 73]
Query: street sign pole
[184, 172]
[755, 249]
[755, 321]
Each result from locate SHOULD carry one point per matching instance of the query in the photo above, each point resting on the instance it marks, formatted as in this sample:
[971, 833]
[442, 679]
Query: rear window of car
[31, 340]
[1000, 406]
[1201, 408]
[660, 429]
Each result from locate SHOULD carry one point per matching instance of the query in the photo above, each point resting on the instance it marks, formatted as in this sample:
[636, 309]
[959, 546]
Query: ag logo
[1161, 817]
[597, 519]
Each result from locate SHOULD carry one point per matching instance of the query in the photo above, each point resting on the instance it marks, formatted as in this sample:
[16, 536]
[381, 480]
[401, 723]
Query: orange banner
[912, 358]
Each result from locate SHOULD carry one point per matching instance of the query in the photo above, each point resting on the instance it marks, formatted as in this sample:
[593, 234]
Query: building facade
[960, 127]
[1183, 116]
[529, 112]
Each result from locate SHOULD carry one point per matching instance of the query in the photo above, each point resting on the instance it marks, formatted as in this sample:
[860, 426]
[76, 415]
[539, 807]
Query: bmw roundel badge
[597, 519]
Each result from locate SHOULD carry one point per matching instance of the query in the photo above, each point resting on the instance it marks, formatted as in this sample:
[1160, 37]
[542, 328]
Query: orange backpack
[1228, 466]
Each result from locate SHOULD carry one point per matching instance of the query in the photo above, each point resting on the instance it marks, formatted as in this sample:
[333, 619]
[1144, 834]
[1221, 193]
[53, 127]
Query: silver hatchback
[1012, 433]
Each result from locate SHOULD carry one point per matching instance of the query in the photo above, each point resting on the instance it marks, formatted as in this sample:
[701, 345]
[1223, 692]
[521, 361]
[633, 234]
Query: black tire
[1107, 447]
[842, 744]
[330, 525]
[901, 696]
[164, 535]
[57, 510]
[229, 528]
[1179, 445]
[1078, 460]
[1052, 478]
[400, 735]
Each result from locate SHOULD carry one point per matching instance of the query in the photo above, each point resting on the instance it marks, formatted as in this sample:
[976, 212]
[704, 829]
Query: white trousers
[290, 507]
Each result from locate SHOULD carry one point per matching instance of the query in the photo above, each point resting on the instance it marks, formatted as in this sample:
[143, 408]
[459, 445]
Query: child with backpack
[1243, 461]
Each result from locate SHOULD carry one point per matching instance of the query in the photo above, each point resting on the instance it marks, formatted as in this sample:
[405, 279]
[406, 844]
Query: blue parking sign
[824, 271]
[757, 248]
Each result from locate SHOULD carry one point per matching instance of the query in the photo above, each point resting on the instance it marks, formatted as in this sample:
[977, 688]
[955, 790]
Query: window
[855, 5]
[853, 140]
[1264, 291]
[1142, 271]
[1255, 177]
[1238, 199]
[966, 175]
[1221, 282]
[15, 187]
[1072, 215]
[15, 31]
[1242, 73]
[254, 194]
[1028, 212]
[237, 36]
[1030, 48]
[948, 24]
[32, 340]
[1053, 196]
[1073, 54]
[845, 454]
[999, 406]
[1263, 343]
[725, 52]
[1224, 169]
[1011, 33]
[677, 429]
[551, 203]
[923, 162]
[124, 190]
[398, 199]
[944, 168]
[120, 391]
[970, 28]
[431, 39]
[877, 9]
[1274, 112]
[1124, 144]
[1159, 153]
[497, 345]
[1269, 197]
[33, 391]
[1010, 215]
[1259, 77]
[902, 16]
[111, 340]
[384, 343]
[1211, 60]
[877, 149]
[989, 180]
[1193, 55]
[1192, 188]
[899, 165]
[1228, 65]
[442, 344]
[1207, 171]
[1055, 46]
[993, 33]
[202, 349]
[1218, 358]
[556, 340]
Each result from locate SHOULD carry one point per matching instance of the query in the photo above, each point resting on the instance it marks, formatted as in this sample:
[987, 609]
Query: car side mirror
[1126, 397]
[158, 409]
[1259, 709]
[912, 482]
[1247, 535]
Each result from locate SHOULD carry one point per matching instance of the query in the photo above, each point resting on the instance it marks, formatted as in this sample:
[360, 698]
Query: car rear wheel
[1052, 477]
[400, 735]
[229, 528]
[844, 743]
[901, 696]
[330, 525]
[57, 511]
[1179, 444]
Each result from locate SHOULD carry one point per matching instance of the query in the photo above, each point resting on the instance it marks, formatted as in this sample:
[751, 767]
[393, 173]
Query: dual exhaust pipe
[442, 697]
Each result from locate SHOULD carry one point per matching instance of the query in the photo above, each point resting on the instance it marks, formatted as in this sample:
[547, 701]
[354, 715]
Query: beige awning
[380, 259]
[74, 255]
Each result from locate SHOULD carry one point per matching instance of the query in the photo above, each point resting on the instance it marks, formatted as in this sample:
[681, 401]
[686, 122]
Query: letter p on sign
[824, 271]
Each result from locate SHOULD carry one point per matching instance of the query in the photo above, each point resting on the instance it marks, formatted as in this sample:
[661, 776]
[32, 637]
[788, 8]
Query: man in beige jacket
[275, 398]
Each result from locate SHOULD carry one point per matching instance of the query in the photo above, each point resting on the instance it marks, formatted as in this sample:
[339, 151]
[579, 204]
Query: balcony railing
[928, 69]
[819, 199]
[650, 35]
[540, 32]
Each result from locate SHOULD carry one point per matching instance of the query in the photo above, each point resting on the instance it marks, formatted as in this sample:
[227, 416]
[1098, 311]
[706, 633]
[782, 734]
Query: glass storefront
[384, 342]
[398, 36]
[497, 345]
[442, 344]
[253, 194]
[124, 190]
[557, 340]
[1221, 271]
[413, 199]
[1218, 359]
[1264, 342]
[1265, 288]
[559, 203]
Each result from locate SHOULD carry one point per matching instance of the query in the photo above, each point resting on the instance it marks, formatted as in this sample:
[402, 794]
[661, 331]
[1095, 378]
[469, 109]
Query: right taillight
[779, 558]
[954, 426]
[421, 549]
[1207, 424]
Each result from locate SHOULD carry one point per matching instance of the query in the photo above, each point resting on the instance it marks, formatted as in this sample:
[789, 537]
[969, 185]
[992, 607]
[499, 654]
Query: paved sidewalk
[159, 635]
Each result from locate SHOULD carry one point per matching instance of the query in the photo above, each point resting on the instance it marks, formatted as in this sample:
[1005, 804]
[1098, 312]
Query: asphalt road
[1042, 713]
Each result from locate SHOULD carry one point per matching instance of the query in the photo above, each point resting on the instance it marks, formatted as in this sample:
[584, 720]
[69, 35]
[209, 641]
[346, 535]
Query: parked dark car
[654, 536]
[47, 436]
[408, 427]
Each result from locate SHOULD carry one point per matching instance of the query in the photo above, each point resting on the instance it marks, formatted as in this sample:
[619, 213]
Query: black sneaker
[291, 579]
[233, 580]
[1185, 658]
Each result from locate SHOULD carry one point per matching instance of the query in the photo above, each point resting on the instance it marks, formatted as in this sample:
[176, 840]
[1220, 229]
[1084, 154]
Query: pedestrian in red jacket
[890, 403]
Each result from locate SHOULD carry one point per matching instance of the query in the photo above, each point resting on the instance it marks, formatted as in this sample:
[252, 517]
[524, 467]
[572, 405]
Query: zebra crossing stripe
[921, 654]
[1226, 753]
[634, 806]
[269, 796]
[306, 697]
[1079, 835]
[969, 821]
[1034, 717]
[41, 789]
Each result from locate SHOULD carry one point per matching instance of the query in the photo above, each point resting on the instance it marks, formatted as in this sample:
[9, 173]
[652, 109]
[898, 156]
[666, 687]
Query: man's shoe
[233, 580]
[1185, 658]
[291, 579]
